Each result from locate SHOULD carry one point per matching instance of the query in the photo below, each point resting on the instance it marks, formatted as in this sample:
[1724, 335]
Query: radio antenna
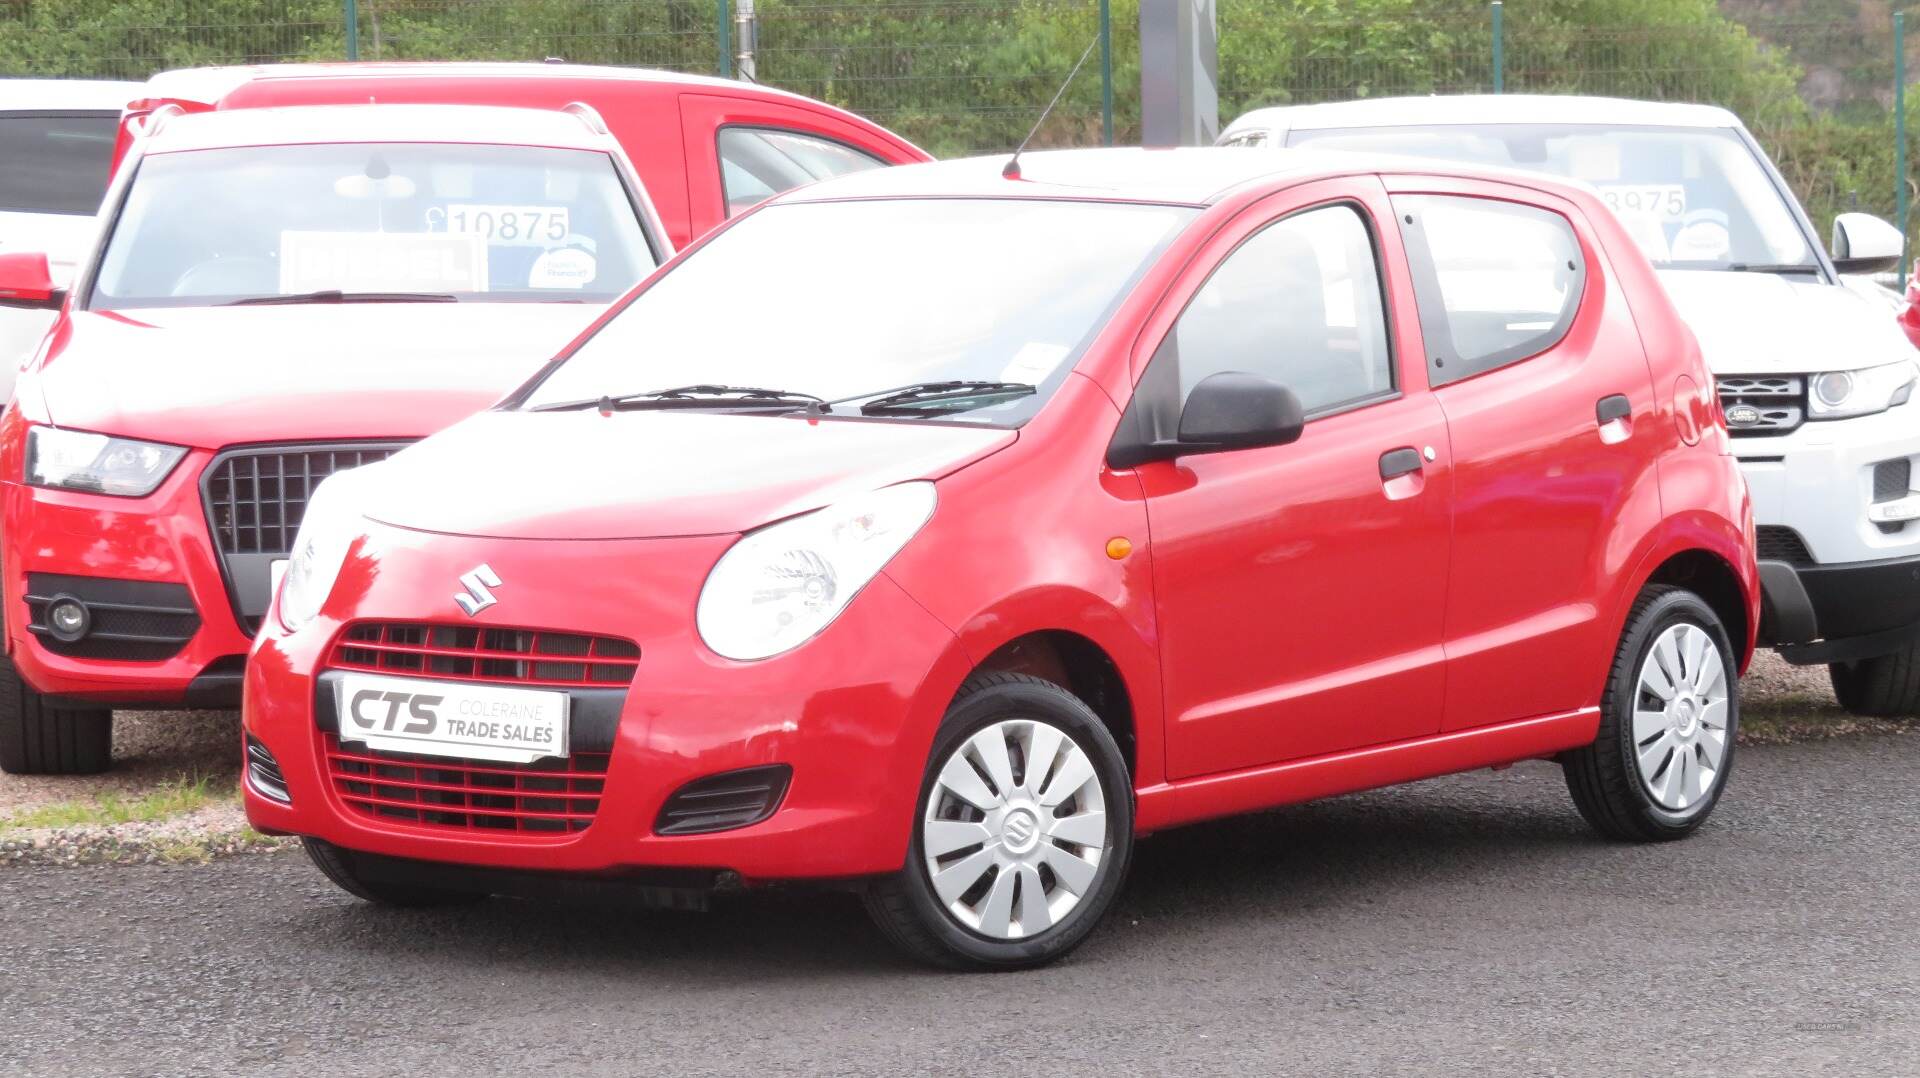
[1012, 169]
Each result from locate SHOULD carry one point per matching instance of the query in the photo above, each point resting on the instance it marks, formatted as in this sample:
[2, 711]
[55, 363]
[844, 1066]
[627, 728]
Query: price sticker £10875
[533, 226]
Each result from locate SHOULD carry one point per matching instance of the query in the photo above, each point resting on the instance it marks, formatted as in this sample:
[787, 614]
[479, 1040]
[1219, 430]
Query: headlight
[1840, 394]
[319, 550]
[780, 585]
[97, 463]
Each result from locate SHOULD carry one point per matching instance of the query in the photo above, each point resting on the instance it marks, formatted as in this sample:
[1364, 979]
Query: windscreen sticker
[500, 225]
[1660, 200]
[1033, 362]
[1702, 241]
[563, 267]
[381, 262]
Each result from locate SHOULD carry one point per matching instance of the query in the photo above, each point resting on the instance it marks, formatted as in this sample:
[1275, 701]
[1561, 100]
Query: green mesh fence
[970, 76]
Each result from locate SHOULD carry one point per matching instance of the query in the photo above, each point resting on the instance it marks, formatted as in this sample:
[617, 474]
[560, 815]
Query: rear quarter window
[1497, 282]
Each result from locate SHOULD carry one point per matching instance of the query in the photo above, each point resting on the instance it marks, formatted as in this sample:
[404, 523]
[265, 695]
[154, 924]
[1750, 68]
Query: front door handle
[1613, 408]
[1395, 463]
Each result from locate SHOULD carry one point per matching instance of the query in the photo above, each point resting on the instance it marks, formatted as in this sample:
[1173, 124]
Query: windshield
[1693, 198]
[470, 223]
[847, 301]
[55, 162]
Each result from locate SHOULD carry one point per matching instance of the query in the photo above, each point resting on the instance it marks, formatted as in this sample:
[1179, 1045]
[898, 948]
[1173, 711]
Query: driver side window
[757, 163]
[1299, 302]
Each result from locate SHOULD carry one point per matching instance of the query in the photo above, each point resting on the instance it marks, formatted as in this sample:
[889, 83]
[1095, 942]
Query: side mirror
[1863, 243]
[26, 281]
[1229, 410]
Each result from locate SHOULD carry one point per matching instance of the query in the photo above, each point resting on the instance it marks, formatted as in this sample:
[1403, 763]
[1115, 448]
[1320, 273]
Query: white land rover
[1814, 376]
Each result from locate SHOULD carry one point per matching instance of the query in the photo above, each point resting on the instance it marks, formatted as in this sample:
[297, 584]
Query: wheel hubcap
[1015, 829]
[1680, 717]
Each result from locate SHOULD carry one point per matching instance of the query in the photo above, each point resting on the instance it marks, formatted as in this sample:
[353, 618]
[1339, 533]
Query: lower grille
[1757, 405]
[255, 499]
[127, 620]
[1775, 543]
[546, 797]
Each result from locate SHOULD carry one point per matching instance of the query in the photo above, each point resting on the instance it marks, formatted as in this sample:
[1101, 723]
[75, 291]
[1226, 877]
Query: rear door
[742, 150]
[1535, 360]
[1300, 588]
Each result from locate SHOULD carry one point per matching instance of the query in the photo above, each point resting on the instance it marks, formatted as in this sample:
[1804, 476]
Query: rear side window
[757, 163]
[1497, 282]
[55, 162]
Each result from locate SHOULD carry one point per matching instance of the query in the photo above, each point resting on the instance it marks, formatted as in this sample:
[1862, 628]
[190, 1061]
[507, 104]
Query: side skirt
[1192, 800]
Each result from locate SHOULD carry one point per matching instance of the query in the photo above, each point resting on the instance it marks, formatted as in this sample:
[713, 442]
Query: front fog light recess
[779, 586]
[68, 619]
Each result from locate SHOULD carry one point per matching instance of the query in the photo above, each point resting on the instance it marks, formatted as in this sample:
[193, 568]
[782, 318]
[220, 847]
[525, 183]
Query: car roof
[210, 84]
[1483, 109]
[319, 124]
[59, 95]
[1194, 176]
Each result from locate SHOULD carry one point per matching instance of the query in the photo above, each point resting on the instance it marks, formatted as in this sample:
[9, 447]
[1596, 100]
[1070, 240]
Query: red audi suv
[1037, 507]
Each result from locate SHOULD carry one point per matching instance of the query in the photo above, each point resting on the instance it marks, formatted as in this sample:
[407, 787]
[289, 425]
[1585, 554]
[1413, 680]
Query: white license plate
[449, 718]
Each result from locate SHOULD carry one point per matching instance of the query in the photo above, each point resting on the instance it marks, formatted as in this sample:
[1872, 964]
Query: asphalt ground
[1469, 924]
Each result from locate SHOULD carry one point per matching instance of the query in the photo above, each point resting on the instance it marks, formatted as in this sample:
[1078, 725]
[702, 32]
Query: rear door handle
[1395, 463]
[1612, 408]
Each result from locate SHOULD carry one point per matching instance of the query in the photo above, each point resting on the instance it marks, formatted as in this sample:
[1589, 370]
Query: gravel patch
[149, 748]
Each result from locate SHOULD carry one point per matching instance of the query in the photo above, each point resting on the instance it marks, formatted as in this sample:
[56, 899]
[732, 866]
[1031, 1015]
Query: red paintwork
[1286, 626]
[665, 122]
[209, 378]
[1909, 316]
[26, 279]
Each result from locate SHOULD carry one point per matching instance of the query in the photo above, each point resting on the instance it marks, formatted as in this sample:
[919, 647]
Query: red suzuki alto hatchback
[1027, 514]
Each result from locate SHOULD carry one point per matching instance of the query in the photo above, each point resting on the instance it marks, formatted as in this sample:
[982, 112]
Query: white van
[56, 150]
[1814, 376]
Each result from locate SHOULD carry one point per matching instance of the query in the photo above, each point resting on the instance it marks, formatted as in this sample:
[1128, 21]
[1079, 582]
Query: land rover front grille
[255, 498]
[1763, 405]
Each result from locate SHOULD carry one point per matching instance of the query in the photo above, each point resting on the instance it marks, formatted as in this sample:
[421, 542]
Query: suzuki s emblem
[477, 597]
[1742, 415]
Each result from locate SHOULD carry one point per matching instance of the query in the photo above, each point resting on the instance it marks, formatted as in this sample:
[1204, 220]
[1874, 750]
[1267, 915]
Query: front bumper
[852, 712]
[1816, 614]
[101, 545]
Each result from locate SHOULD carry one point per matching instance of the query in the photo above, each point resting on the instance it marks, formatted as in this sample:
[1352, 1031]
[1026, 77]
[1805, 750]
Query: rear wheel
[1023, 832]
[1667, 724]
[344, 870]
[1883, 687]
[37, 738]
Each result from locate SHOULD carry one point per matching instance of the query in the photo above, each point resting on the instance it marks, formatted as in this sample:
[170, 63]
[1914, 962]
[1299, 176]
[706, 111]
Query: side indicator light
[1119, 547]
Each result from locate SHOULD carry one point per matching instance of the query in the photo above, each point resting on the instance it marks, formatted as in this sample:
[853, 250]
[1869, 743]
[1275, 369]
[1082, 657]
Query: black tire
[1604, 777]
[905, 905]
[340, 866]
[37, 738]
[1883, 687]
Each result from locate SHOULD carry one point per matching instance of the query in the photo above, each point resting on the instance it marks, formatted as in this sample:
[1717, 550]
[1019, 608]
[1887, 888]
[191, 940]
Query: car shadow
[1342, 850]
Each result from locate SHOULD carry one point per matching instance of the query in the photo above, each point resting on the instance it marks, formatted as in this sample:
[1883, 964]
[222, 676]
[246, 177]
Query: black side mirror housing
[1228, 410]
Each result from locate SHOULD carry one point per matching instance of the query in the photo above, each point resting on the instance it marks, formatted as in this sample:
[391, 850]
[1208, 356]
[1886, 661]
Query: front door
[1300, 588]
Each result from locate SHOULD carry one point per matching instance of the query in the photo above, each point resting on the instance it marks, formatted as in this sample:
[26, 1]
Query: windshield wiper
[916, 399]
[744, 398]
[1773, 267]
[334, 295]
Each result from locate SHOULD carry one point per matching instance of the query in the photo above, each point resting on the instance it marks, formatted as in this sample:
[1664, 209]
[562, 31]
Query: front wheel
[37, 738]
[1883, 687]
[1023, 832]
[1667, 724]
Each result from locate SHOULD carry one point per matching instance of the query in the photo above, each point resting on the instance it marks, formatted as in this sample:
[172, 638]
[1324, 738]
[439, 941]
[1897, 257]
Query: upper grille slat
[481, 653]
